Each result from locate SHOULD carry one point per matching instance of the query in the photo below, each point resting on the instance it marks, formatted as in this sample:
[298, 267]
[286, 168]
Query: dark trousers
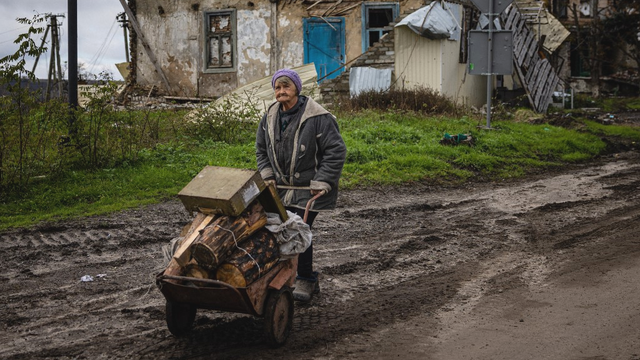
[305, 260]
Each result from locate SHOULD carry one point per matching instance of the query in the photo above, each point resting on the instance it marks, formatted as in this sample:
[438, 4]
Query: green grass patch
[383, 148]
[159, 175]
[622, 131]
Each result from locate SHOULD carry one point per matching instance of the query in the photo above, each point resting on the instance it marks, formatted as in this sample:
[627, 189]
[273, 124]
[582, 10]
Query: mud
[544, 267]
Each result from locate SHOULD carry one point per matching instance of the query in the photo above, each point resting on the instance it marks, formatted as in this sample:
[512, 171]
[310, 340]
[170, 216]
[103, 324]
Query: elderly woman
[298, 144]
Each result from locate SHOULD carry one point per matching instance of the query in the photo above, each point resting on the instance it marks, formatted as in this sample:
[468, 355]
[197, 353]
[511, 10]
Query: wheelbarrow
[271, 297]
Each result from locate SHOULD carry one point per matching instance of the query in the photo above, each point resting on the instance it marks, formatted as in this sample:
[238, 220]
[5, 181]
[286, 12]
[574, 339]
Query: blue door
[324, 41]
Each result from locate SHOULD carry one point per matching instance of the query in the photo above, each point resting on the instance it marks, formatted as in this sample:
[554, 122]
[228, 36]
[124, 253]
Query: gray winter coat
[316, 159]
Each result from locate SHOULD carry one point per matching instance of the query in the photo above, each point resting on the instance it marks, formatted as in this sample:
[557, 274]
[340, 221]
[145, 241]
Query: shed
[438, 62]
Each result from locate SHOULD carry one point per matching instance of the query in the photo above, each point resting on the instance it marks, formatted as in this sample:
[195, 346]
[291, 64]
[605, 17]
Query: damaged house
[602, 55]
[594, 45]
[208, 48]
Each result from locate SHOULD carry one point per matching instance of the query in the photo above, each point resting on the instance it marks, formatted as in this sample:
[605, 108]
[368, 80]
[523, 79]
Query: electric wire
[103, 47]
[12, 30]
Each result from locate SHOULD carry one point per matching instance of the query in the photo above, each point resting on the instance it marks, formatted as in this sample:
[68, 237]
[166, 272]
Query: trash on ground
[464, 139]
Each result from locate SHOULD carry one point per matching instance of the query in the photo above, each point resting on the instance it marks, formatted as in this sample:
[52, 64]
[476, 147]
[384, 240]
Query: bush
[231, 119]
[421, 100]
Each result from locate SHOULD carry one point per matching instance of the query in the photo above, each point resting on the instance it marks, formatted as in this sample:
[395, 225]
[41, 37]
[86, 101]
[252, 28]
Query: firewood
[218, 240]
[174, 268]
[195, 271]
[257, 255]
[182, 254]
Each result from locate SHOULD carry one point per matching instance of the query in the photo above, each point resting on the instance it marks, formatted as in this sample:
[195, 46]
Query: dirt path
[540, 268]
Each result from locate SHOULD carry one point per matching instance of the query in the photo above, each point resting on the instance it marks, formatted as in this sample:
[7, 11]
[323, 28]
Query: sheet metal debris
[363, 79]
[432, 21]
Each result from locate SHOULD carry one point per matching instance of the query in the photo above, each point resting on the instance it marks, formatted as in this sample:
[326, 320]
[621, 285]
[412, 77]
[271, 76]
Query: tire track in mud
[46, 299]
[384, 259]
[391, 279]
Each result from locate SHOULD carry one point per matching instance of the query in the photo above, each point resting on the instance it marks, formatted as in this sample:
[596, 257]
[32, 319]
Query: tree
[14, 108]
[611, 29]
[622, 27]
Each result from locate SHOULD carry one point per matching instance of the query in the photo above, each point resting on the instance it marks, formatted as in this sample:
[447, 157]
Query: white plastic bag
[294, 235]
[432, 22]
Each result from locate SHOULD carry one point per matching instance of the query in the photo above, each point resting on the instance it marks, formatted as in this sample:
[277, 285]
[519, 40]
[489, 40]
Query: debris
[86, 278]
[607, 119]
[465, 139]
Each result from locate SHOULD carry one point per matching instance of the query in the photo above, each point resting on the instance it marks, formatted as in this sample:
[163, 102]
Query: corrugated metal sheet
[368, 78]
[465, 89]
[418, 60]
[261, 93]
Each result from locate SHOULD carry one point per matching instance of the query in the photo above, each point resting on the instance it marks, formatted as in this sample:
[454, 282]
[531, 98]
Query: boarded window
[220, 33]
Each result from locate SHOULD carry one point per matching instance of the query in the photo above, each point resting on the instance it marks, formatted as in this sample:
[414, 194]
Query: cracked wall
[174, 31]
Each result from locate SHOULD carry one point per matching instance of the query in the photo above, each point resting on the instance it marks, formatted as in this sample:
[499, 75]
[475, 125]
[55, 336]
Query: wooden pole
[145, 44]
[44, 39]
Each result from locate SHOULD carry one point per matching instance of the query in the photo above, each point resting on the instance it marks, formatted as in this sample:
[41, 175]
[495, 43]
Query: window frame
[207, 35]
[395, 10]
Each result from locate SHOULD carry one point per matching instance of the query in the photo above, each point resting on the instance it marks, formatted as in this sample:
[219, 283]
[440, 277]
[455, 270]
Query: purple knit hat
[291, 75]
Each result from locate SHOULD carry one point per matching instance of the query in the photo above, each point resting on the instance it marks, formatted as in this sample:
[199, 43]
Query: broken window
[376, 16]
[220, 29]
[579, 60]
[559, 8]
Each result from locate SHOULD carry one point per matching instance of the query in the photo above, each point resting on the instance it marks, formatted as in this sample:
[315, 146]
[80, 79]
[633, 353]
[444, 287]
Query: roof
[543, 23]
[259, 94]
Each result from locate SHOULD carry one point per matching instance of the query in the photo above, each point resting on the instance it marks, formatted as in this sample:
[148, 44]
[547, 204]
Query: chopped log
[182, 255]
[174, 267]
[218, 240]
[258, 254]
[191, 227]
[195, 271]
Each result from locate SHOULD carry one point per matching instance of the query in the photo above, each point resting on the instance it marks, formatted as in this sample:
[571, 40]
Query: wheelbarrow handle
[310, 202]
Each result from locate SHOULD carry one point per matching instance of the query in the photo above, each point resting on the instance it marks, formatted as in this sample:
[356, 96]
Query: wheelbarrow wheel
[278, 316]
[180, 317]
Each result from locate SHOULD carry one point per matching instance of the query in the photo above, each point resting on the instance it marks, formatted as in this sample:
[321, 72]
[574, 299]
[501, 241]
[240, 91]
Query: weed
[421, 100]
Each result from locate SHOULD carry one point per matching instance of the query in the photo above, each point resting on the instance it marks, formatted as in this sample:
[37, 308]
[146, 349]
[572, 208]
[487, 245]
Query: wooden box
[226, 191]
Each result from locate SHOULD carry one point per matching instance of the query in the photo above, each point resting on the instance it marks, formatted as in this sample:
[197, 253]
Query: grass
[384, 148]
[625, 132]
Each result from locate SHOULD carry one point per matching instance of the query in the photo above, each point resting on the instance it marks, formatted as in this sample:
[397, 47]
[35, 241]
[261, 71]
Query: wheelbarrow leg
[278, 316]
[180, 317]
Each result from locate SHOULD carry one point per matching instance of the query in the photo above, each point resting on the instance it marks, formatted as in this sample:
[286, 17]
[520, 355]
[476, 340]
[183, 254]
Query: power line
[103, 47]
[16, 29]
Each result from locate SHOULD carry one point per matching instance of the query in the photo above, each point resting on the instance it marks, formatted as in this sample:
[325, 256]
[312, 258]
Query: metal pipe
[72, 6]
[490, 63]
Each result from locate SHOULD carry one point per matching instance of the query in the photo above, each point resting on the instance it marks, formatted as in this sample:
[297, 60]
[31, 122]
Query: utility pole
[124, 23]
[55, 67]
[72, 9]
[44, 40]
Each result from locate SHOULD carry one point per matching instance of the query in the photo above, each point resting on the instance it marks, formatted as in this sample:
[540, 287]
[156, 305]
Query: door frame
[330, 21]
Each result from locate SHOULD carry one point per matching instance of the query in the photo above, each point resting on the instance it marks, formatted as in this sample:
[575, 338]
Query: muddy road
[542, 268]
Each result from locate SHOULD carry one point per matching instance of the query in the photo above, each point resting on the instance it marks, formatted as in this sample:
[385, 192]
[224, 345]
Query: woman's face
[286, 94]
